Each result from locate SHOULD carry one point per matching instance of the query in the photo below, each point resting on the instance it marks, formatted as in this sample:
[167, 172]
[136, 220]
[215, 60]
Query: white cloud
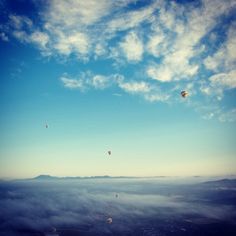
[39, 38]
[218, 83]
[208, 116]
[4, 37]
[212, 62]
[20, 22]
[72, 83]
[21, 35]
[205, 89]
[83, 27]
[229, 116]
[198, 22]
[100, 81]
[212, 91]
[167, 17]
[74, 14]
[109, 30]
[100, 50]
[170, 71]
[158, 97]
[224, 80]
[132, 47]
[64, 26]
[162, 74]
[129, 20]
[231, 43]
[135, 87]
[77, 43]
[87, 80]
[225, 57]
[209, 112]
[156, 44]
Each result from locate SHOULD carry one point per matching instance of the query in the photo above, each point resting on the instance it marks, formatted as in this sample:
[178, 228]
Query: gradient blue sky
[107, 75]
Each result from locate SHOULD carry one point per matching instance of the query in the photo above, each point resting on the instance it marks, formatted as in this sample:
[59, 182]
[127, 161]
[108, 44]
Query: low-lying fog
[137, 206]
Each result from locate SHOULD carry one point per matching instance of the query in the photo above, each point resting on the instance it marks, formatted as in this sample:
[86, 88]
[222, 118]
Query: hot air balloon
[109, 220]
[184, 94]
[109, 153]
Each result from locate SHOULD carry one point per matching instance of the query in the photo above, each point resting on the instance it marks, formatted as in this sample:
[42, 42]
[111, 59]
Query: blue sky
[107, 75]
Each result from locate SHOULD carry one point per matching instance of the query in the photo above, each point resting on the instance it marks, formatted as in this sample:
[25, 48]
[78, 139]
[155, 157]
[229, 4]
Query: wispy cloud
[77, 43]
[132, 47]
[128, 20]
[39, 38]
[224, 59]
[4, 37]
[228, 116]
[100, 81]
[72, 83]
[135, 87]
[171, 43]
[224, 80]
[20, 22]
[156, 97]
[88, 80]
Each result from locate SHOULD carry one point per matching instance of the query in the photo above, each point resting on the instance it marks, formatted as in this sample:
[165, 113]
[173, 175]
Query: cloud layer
[45, 207]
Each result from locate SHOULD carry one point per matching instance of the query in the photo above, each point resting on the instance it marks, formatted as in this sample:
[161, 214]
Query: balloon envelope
[109, 220]
[184, 94]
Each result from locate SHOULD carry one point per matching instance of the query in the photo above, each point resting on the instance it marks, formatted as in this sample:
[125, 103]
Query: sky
[107, 75]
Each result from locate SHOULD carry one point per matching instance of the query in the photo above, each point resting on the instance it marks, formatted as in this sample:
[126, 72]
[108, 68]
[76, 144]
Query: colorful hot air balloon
[184, 94]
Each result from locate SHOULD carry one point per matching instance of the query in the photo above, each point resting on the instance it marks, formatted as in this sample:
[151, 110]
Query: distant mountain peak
[49, 177]
[45, 177]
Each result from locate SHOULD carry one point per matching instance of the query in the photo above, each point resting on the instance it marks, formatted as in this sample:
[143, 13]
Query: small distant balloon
[109, 153]
[109, 220]
[184, 94]
[116, 195]
[46, 126]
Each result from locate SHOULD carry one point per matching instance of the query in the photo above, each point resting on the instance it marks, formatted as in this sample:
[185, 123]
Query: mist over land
[138, 206]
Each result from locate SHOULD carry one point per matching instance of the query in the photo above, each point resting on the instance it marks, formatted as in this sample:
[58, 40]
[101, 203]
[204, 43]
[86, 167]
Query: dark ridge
[45, 177]
[221, 181]
[49, 177]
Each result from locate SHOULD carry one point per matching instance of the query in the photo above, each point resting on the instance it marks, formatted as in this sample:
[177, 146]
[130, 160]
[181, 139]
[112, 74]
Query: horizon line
[111, 176]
